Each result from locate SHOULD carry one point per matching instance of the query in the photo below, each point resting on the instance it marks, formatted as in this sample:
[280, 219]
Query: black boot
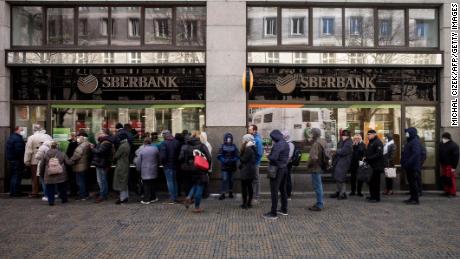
[334, 195]
[342, 197]
[230, 195]
[222, 196]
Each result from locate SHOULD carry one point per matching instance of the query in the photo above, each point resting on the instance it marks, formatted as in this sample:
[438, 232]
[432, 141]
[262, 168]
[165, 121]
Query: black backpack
[296, 157]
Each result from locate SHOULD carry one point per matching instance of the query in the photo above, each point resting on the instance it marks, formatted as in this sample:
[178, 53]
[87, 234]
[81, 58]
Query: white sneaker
[145, 202]
[44, 198]
[156, 199]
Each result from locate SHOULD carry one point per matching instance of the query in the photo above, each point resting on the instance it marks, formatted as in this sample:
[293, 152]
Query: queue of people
[178, 157]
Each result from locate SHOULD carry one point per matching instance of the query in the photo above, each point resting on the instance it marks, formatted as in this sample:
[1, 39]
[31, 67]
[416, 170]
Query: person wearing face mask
[341, 164]
[411, 162]
[15, 148]
[228, 156]
[389, 153]
[448, 158]
[80, 165]
[374, 157]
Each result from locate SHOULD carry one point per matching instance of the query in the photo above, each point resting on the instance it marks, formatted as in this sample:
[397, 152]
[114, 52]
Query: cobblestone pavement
[345, 229]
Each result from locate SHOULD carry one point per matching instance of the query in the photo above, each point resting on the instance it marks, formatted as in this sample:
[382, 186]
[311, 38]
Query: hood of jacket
[227, 136]
[412, 133]
[276, 135]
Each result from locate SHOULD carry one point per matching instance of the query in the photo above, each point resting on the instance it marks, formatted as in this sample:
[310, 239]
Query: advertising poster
[61, 135]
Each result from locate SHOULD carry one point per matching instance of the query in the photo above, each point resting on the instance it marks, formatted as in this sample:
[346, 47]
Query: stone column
[4, 89]
[225, 64]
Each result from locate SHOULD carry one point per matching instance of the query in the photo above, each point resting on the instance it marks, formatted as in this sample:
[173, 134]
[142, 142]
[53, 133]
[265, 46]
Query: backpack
[296, 157]
[54, 167]
[324, 160]
[188, 163]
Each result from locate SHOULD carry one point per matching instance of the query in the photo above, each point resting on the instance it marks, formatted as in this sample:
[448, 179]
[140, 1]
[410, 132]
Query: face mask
[386, 140]
[445, 140]
[407, 135]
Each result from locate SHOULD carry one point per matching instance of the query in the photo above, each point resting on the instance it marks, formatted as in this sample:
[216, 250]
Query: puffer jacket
[279, 155]
[103, 153]
[32, 145]
[411, 158]
[342, 159]
[374, 154]
[147, 162]
[228, 154]
[63, 160]
[186, 158]
[317, 151]
[15, 148]
[248, 160]
[169, 152]
[81, 157]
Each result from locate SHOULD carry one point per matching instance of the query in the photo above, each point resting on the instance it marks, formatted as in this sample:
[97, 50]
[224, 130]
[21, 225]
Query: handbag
[272, 170]
[200, 161]
[390, 172]
[364, 172]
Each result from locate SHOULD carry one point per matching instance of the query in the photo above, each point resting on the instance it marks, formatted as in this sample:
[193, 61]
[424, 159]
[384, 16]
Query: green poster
[61, 135]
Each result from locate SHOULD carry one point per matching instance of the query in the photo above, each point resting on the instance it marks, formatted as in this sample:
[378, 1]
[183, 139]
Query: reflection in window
[191, 26]
[423, 28]
[60, 26]
[27, 25]
[158, 23]
[359, 27]
[327, 26]
[28, 115]
[391, 27]
[257, 23]
[295, 26]
[125, 26]
[92, 26]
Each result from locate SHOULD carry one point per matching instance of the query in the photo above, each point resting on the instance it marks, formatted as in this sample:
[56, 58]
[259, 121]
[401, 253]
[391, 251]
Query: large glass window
[262, 26]
[295, 26]
[327, 26]
[27, 25]
[359, 27]
[158, 25]
[28, 115]
[423, 28]
[126, 26]
[60, 26]
[92, 26]
[391, 27]
[190, 26]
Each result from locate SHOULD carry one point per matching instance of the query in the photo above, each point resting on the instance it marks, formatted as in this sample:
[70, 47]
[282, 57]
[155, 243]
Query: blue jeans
[197, 193]
[16, 171]
[81, 182]
[318, 187]
[51, 189]
[171, 182]
[102, 181]
[227, 181]
[45, 189]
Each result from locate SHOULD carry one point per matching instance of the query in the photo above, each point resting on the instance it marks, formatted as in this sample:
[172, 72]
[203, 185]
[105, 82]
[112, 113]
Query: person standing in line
[70, 173]
[287, 137]
[199, 177]
[40, 157]
[81, 160]
[102, 160]
[147, 164]
[204, 140]
[389, 154]
[54, 168]
[121, 174]
[411, 162]
[374, 157]
[169, 159]
[247, 169]
[33, 143]
[358, 153]
[15, 148]
[228, 156]
[342, 162]
[448, 158]
[252, 129]
[316, 166]
[279, 156]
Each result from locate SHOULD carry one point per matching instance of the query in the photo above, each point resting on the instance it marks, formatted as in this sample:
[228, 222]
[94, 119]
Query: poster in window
[22, 112]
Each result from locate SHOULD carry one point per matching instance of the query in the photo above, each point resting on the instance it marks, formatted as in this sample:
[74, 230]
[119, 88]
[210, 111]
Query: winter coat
[63, 160]
[32, 145]
[389, 156]
[342, 159]
[374, 154]
[317, 150]
[448, 154]
[411, 158]
[228, 154]
[73, 144]
[248, 162]
[279, 154]
[121, 135]
[186, 158]
[103, 153]
[120, 176]
[259, 148]
[358, 154]
[169, 151]
[147, 162]
[40, 157]
[81, 157]
[15, 148]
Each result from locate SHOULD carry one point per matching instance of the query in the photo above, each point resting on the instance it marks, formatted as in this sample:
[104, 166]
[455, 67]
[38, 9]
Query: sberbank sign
[139, 82]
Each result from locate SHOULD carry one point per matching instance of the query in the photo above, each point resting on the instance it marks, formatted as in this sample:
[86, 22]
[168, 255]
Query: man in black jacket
[448, 158]
[169, 159]
[374, 157]
[15, 148]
